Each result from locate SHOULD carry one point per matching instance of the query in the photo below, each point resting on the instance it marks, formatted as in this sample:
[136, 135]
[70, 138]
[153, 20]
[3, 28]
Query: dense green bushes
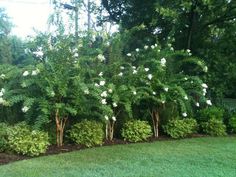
[3, 136]
[210, 113]
[214, 127]
[181, 128]
[88, 133]
[136, 130]
[22, 140]
[232, 124]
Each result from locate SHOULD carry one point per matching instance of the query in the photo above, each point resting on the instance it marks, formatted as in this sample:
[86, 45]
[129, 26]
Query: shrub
[181, 128]
[136, 130]
[3, 137]
[88, 133]
[211, 113]
[214, 127]
[23, 140]
[232, 124]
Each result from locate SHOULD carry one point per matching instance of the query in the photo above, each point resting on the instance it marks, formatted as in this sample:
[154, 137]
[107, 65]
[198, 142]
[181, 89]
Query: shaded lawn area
[197, 157]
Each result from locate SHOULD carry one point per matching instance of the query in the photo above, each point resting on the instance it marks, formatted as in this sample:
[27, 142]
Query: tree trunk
[60, 126]
[155, 120]
[110, 130]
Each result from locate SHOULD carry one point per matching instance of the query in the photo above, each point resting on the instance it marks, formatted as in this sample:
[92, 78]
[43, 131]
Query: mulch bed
[6, 158]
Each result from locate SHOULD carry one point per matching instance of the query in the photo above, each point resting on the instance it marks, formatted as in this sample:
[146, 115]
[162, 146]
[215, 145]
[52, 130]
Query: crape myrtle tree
[153, 76]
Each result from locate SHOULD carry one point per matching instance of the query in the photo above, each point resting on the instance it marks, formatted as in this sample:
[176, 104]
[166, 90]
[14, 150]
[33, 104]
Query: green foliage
[88, 133]
[232, 124]
[136, 130]
[181, 128]
[3, 136]
[214, 127]
[22, 140]
[210, 113]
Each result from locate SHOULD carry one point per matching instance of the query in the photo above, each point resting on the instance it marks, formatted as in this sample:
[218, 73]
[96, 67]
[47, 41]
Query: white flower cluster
[39, 53]
[204, 86]
[25, 109]
[25, 73]
[35, 72]
[112, 118]
[101, 57]
[163, 62]
[2, 101]
[2, 76]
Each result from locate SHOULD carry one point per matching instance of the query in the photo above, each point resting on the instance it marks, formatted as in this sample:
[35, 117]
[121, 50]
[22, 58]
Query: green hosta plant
[136, 130]
[181, 128]
[88, 133]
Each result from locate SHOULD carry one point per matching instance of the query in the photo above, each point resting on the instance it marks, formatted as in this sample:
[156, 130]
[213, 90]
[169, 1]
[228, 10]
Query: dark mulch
[6, 158]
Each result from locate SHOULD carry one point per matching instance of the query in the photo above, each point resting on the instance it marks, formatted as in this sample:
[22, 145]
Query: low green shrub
[88, 133]
[232, 124]
[214, 127]
[3, 137]
[136, 130]
[210, 113]
[22, 140]
[181, 128]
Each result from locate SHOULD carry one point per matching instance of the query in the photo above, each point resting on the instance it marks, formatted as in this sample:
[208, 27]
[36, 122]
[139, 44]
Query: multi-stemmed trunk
[110, 130]
[155, 119]
[60, 126]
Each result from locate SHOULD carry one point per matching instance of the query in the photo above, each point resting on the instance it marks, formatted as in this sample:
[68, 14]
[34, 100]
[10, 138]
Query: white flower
[76, 55]
[184, 114]
[2, 76]
[106, 117]
[122, 67]
[3, 90]
[146, 47]
[137, 50]
[169, 45]
[100, 74]
[110, 90]
[209, 102]
[114, 104]
[101, 57]
[134, 71]
[186, 97]
[197, 104]
[150, 76]
[134, 92]
[163, 102]
[113, 118]
[128, 54]
[38, 54]
[152, 46]
[163, 62]
[158, 50]
[191, 82]
[154, 93]
[35, 72]
[172, 49]
[120, 74]
[166, 89]
[86, 92]
[96, 85]
[204, 85]
[1, 94]
[134, 67]
[26, 73]
[204, 90]
[104, 101]
[102, 83]
[104, 94]
[188, 50]
[155, 45]
[186, 78]
[27, 51]
[205, 69]
[146, 69]
[25, 109]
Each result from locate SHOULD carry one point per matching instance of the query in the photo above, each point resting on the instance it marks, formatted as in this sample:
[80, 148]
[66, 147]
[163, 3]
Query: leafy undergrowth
[197, 157]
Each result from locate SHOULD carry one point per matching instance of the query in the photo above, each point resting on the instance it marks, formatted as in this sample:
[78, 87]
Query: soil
[6, 158]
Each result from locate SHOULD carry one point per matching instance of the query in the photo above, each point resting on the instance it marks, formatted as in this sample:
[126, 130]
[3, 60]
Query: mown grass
[198, 157]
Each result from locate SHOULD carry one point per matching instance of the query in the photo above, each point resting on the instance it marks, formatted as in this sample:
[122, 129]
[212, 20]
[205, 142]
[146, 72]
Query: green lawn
[198, 157]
